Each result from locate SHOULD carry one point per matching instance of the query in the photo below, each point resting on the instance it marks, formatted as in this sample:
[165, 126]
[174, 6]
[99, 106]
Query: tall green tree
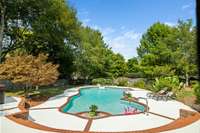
[183, 45]
[165, 51]
[95, 59]
[132, 65]
[154, 55]
[118, 65]
[90, 58]
[42, 26]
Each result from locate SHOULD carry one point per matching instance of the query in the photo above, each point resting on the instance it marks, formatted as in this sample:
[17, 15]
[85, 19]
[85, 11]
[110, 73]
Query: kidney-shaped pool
[107, 99]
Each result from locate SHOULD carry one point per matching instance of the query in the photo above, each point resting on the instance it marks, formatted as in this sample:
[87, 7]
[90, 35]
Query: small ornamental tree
[28, 70]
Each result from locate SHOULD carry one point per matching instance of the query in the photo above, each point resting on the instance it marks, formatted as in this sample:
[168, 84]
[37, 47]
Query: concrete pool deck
[48, 114]
[10, 106]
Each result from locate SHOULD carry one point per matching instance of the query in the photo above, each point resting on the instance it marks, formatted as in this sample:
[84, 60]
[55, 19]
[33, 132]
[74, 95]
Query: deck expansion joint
[8, 109]
[162, 116]
[44, 108]
[88, 125]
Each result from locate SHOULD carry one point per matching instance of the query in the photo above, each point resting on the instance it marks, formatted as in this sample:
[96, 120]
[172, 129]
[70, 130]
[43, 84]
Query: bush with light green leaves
[172, 83]
[197, 92]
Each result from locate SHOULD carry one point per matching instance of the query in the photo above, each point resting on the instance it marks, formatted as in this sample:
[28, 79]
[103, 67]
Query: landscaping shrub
[193, 83]
[121, 81]
[102, 81]
[139, 84]
[172, 83]
[197, 92]
[148, 84]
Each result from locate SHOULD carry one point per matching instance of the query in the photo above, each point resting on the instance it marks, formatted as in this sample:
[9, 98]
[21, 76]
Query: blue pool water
[107, 100]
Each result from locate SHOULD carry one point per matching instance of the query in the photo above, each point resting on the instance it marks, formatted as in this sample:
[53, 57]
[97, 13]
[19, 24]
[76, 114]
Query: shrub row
[172, 83]
[102, 81]
[122, 81]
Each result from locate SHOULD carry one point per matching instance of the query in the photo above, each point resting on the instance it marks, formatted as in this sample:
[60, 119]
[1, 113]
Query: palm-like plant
[93, 110]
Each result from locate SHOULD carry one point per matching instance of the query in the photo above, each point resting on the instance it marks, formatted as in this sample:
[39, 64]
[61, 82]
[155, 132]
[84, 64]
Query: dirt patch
[37, 100]
[189, 100]
[21, 115]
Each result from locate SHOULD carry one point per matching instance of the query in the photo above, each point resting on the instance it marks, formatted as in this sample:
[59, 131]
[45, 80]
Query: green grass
[14, 92]
[41, 92]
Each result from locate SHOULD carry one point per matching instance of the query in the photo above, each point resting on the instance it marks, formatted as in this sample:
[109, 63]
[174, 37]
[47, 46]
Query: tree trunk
[2, 28]
[2, 95]
[26, 95]
[186, 79]
[36, 87]
[26, 91]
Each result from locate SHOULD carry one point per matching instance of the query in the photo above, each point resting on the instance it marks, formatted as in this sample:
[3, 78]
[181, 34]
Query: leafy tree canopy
[29, 70]
[166, 50]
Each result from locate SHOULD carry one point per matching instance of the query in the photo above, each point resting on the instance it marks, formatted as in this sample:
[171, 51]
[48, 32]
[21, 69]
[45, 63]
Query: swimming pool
[107, 100]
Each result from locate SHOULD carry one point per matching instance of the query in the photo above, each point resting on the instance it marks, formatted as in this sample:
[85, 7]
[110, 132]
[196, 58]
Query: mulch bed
[21, 115]
[31, 102]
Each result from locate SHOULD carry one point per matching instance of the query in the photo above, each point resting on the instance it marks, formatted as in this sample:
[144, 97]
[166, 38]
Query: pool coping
[109, 114]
